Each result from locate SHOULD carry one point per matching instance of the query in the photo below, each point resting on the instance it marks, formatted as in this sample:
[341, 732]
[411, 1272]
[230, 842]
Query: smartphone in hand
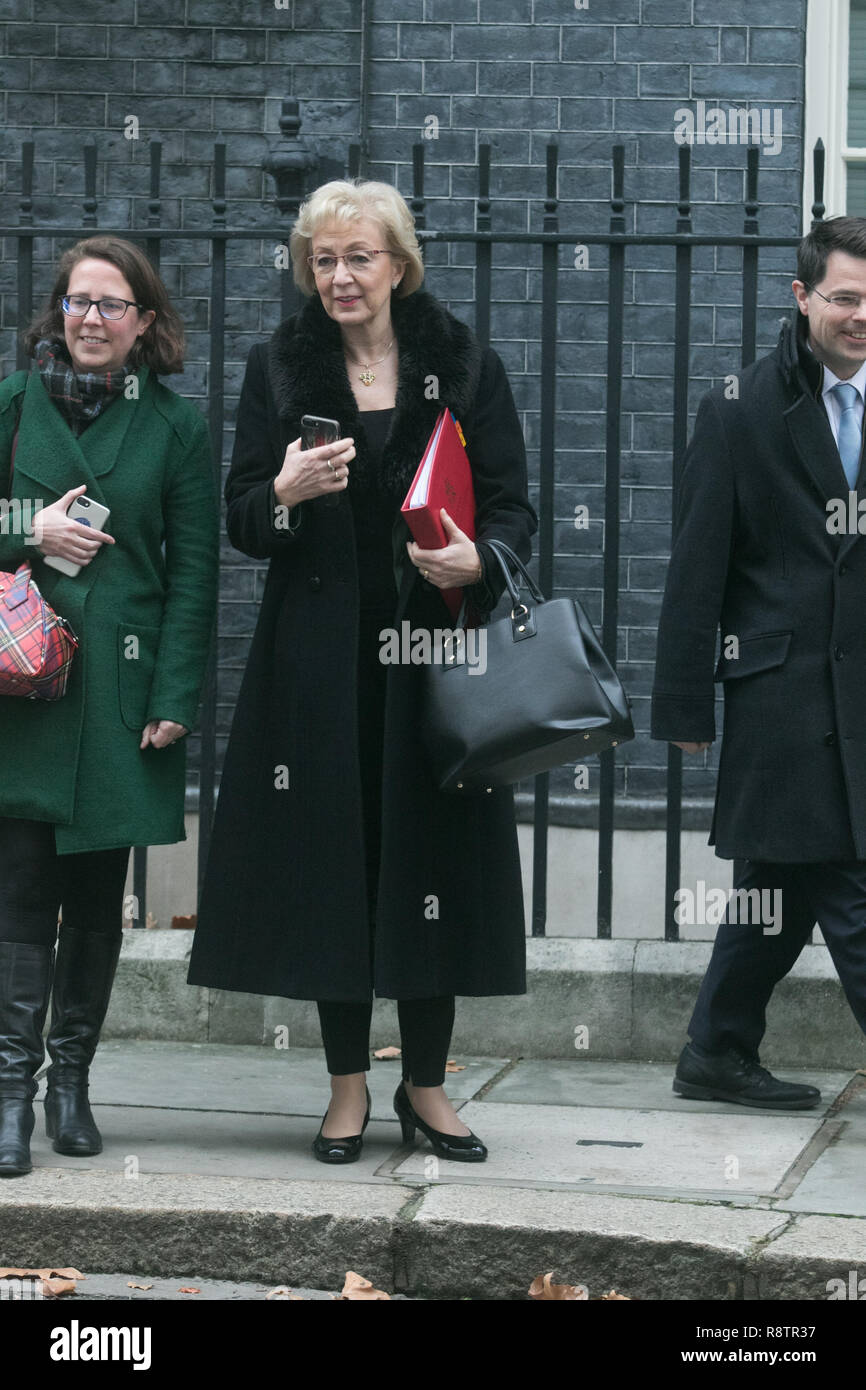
[315, 431]
[87, 513]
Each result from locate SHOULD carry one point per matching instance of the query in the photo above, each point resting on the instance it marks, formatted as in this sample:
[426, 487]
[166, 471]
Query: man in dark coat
[768, 548]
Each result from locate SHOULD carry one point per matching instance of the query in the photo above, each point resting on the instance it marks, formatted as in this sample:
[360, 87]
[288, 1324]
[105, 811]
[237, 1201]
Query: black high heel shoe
[468, 1148]
[341, 1150]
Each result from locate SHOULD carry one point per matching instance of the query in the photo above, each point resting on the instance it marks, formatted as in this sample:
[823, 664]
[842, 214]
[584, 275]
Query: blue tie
[849, 431]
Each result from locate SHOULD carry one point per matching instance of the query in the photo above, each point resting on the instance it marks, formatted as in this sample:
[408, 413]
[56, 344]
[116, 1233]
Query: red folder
[443, 479]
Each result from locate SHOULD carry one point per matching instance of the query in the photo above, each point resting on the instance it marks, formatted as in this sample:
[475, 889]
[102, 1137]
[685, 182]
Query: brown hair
[161, 347]
[836, 234]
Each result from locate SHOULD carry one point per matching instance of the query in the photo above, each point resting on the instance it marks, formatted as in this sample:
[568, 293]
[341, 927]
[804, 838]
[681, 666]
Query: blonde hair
[345, 201]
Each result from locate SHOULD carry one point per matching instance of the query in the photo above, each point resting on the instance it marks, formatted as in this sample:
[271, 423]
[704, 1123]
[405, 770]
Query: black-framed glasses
[356, 261]
[77, 305]
[840, 301]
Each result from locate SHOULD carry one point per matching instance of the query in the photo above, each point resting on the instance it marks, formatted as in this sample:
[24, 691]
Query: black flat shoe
[467, 1148]
[733, 1076]
[341, 1150]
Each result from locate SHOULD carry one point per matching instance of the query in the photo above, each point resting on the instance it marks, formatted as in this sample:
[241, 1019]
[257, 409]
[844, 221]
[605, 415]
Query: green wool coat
[142, 611]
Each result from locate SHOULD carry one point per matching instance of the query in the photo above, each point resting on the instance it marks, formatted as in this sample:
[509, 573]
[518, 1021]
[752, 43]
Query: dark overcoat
[284, 909]
[755, 555]
[142, 610]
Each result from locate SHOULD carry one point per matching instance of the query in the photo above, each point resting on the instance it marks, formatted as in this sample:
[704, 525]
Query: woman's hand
[59, 535]
[310, 473]
[690, 747]
[453, 566]
[159, 733]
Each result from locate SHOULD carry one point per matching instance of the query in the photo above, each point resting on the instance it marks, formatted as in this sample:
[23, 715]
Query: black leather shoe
[341, 1150]
[84, 974]
[467, 1148]
[25, 985]
[733, 1076]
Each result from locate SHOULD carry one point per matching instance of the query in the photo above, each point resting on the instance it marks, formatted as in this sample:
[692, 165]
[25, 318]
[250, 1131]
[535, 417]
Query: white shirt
[833, 405]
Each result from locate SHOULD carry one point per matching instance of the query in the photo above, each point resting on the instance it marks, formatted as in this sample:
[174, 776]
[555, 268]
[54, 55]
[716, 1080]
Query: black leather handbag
[526, 693]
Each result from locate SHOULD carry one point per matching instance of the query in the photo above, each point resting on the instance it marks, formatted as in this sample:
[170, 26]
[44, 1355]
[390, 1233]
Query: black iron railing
[297, 167]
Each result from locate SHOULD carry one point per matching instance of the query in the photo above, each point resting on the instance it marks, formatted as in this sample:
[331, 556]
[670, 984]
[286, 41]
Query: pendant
[367, 376]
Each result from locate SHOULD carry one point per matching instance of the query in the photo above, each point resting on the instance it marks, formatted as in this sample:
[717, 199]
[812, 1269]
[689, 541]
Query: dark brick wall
[515, 73]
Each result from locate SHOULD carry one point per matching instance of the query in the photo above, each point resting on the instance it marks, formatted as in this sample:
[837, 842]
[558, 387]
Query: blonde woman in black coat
[338, 869]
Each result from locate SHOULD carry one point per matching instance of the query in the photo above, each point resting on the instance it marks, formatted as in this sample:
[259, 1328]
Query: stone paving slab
[115, 1287]
[217, 1144]
[490, 1237]
[639, 1085]
[836, 1182]
[263, 1080]
[734, 1154]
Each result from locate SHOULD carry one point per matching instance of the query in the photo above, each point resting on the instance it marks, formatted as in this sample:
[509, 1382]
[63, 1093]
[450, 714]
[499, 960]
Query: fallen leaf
[613, 1294]
[283, 1292]
[359, 1288]
[451, 1065]
[187, 1290]
[54, 1288]
[130, 1285]
[185, 922]
[542, 1288]
[384, 1054]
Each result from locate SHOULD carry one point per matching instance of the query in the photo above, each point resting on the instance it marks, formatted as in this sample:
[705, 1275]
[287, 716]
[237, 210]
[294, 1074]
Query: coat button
[830, 740]
[838, 653]
[843, 569]
[314, 583]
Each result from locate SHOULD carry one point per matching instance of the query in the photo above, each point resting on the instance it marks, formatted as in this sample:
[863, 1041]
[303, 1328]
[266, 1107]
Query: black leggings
[425, 1024]
[36, 881]
[425, 1035]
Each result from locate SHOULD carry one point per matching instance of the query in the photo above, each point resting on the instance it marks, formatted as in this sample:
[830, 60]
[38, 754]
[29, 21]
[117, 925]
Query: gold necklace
[367, 376]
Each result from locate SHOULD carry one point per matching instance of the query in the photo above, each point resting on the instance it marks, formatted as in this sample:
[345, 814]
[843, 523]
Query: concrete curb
[445, 1241]
[633, 999]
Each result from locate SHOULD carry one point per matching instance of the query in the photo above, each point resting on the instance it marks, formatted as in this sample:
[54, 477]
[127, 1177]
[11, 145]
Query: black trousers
[425, 1024]
[36, 881]
[749, 958]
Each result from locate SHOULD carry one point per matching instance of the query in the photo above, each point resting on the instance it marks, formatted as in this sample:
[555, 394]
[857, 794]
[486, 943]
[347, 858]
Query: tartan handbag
[36, 646]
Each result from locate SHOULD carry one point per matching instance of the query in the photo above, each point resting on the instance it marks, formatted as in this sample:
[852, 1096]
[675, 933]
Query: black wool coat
[284, 908]
[754, 557]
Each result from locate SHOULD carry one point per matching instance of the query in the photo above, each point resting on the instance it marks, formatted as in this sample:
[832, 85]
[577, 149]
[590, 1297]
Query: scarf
[79, 396]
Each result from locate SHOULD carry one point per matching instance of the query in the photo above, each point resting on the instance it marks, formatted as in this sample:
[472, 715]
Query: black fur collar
[439, 364]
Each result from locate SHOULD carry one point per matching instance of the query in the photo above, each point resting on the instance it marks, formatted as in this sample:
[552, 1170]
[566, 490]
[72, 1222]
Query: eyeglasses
[358, 262]
[77, 305]
[840, 301]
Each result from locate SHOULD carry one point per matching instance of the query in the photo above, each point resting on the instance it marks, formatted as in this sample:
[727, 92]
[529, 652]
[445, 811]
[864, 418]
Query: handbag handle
[508, 561]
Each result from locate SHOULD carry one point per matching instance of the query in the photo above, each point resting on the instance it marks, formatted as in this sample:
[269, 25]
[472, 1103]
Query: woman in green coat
[84, 778]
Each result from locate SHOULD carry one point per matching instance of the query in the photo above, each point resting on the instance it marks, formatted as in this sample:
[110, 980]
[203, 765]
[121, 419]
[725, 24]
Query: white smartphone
[87, 513]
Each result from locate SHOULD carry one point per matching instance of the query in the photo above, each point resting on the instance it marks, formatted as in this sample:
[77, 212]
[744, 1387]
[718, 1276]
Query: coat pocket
[137, 647]
[754, 654]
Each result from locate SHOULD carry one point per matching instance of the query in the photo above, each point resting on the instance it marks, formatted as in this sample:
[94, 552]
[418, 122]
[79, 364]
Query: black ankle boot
[86, 963]
[25, 986]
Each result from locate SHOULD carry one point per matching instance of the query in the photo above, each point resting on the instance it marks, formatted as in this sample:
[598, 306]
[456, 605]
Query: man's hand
[453, 566]
[690, 747]
[159, 733]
